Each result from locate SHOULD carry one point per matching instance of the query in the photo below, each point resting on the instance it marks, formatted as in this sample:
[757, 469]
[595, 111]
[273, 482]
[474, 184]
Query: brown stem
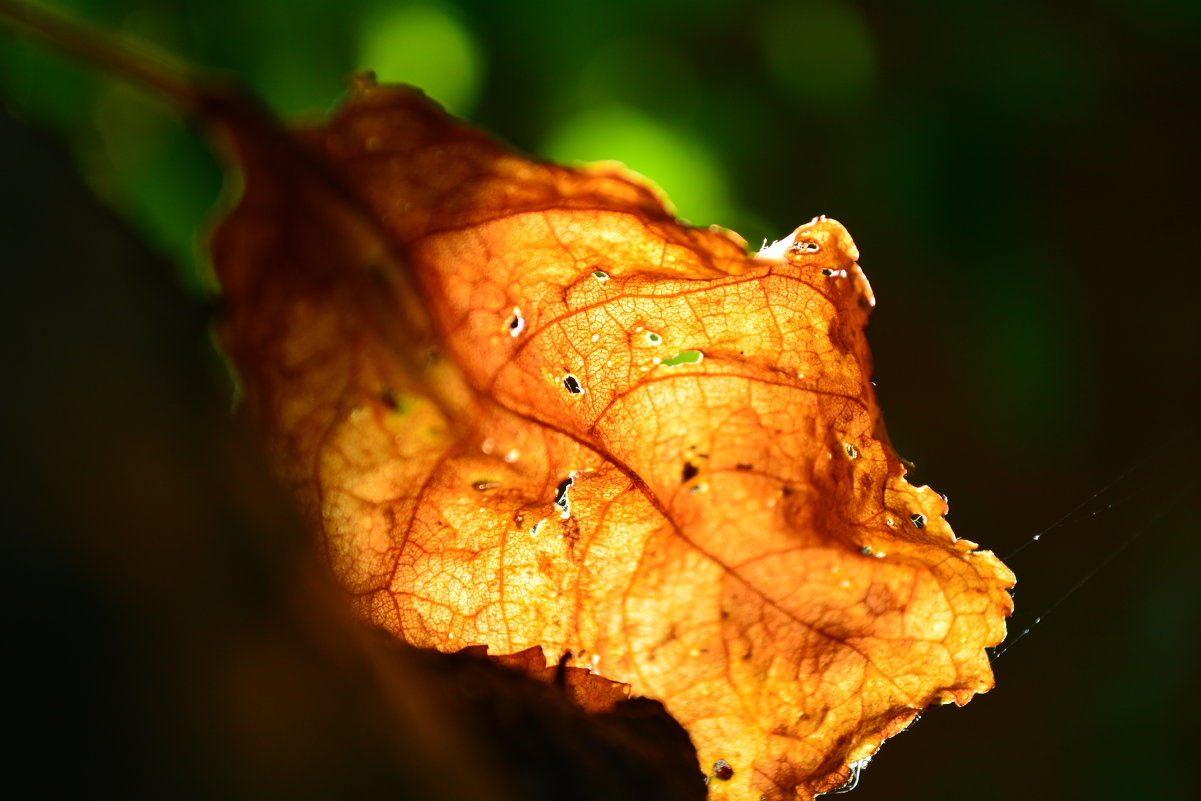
[132, 59]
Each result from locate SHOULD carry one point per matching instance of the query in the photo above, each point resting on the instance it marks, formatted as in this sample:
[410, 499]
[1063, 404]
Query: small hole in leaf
[601, 276]
[866, 550]
[827, 271]
[851, 450]
[483, 486]
[573, 385]
[516, 322]
[690, 471]
[723, 770]
[804, 246]
[918, 520]
[653, 338]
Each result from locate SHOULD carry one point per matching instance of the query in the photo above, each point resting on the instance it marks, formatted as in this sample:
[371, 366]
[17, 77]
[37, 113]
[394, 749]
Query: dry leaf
[527, 407]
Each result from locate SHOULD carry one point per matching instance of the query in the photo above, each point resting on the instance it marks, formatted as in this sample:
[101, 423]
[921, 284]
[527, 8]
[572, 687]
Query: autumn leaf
[172, 630]
[525, 406]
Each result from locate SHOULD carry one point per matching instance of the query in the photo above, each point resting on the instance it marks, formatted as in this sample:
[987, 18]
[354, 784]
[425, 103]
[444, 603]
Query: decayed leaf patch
[527, 407]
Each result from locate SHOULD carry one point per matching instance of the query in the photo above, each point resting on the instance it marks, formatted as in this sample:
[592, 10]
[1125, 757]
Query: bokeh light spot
[673, 160]
[821, 51]
[426, 46]
[643, 72]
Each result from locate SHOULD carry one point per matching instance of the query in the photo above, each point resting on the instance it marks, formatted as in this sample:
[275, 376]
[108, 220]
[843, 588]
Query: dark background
[1021, 178]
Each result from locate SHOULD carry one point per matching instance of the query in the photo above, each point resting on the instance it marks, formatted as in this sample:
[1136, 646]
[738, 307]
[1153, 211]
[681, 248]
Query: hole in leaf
[918, 520]
[601, 276]
[561, 499]
[803, 246]
[851, 450]
[684, 357]
[573, 384]
[516, 322]
[690, 471]
[653, 338]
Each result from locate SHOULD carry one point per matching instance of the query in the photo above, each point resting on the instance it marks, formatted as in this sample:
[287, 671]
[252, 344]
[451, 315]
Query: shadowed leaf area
[172, 632]
[525, 406]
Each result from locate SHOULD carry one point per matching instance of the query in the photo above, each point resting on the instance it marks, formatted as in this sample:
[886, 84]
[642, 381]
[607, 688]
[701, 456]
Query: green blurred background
[1022, 180]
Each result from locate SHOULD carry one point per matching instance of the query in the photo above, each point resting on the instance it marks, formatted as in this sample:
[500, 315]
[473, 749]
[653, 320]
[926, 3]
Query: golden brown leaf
[527, 407]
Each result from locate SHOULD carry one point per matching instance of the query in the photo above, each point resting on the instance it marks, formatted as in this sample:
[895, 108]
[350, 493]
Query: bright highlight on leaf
[732, 535]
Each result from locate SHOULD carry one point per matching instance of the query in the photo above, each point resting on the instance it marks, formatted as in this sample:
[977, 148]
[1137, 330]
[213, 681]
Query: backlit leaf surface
[527, 407]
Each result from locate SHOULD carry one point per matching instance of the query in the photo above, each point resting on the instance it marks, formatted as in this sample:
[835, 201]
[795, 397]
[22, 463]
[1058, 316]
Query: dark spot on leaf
[723, 770]
[573, 385]
[690, 471]
[389, 399]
